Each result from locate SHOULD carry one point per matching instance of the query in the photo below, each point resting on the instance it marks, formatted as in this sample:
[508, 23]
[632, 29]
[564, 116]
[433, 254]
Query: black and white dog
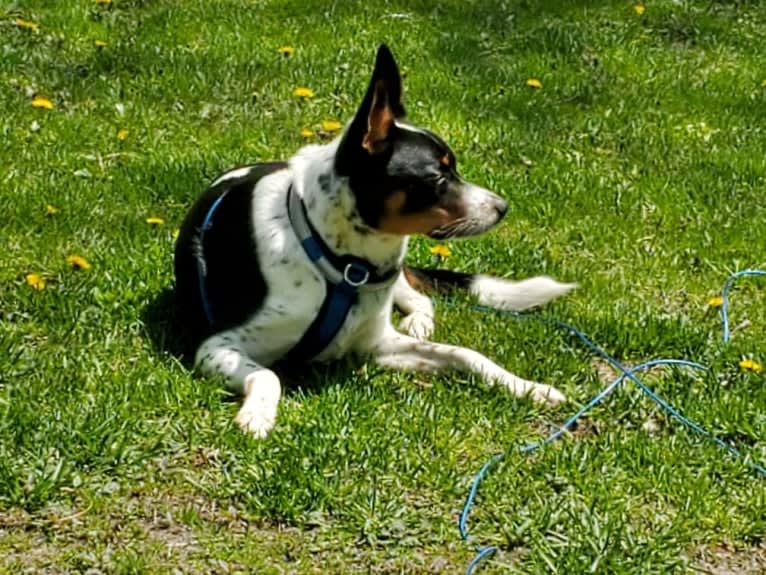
[305, 259]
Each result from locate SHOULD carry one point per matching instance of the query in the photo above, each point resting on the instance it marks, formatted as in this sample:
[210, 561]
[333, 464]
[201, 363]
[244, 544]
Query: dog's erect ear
[373, 123]
[384, 101]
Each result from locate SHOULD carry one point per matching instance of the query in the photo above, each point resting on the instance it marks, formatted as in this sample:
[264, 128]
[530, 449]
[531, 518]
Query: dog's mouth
[463, 228]
[475, 210]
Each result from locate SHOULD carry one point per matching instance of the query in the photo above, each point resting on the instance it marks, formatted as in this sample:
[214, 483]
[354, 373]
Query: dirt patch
[152, 528]
[727, 560]
[159, 531]
[606, 373]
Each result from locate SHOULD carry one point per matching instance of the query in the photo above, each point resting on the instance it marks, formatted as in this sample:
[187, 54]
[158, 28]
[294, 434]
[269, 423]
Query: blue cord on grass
[484, 552]
[725, 297]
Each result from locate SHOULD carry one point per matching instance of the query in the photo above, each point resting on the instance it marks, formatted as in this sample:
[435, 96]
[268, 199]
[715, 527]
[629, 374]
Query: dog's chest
[296, 292]
[293, 305]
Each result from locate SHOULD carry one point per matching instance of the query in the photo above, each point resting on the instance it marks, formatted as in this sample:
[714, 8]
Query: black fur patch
[324, 183]
[440, 281]
[411, 165]
[234, 283]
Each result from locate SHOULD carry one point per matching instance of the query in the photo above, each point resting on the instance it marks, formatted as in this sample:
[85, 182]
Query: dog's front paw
[258, 413]
[546, 394]
[257, 420]
[418, 325]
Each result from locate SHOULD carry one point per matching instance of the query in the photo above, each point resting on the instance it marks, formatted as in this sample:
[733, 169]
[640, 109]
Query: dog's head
[404, 178]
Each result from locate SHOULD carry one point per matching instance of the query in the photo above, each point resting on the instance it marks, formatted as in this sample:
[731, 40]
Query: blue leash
[725, 296]
[626, 373]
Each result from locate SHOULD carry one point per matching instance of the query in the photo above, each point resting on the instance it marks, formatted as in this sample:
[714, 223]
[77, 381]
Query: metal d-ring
[355, 267]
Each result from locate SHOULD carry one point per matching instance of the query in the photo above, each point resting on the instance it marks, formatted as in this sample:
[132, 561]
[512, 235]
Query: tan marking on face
[395, 222]
[445, 160]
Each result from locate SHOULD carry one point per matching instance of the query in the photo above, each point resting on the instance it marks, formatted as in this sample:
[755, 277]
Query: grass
[637, 170]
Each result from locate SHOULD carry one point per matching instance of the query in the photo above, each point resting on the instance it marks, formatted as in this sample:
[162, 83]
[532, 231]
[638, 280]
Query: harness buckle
[361, 272]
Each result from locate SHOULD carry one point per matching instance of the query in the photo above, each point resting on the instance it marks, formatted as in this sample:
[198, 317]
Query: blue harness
[345, 277]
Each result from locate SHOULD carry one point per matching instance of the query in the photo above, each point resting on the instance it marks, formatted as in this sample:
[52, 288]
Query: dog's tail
[490, 291]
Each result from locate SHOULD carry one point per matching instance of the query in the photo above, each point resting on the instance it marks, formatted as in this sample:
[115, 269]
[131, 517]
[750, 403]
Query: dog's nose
[501, 206]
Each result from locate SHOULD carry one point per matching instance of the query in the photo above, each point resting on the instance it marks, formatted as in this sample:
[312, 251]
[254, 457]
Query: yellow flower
[286, 50]
[78, 262]
[303, 92]
[750, 365]
[40, 102]
[716, 301]
[27, 25]
[51, 210]
[331, 125]
[103, 2]
[35, 281]
[534, 83]
[307, 133]
[154, 221]
[122, 134]
[639, 9]
[175, 233]
[100, 44]
[441, 250]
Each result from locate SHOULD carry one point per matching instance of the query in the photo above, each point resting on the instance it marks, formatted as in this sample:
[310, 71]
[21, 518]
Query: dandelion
[748, 364]
[301, 92]
[40, 102]
[639, 9]
[534, 83]
[35, 281]
[154, 221]
[103, 2]
[441, 250]
[78, 262]
[122, 135]
[716, 301]
[307, 133]
[331, 125]
[51, 210]
[27, 25]
[100, 44]
[286, 51]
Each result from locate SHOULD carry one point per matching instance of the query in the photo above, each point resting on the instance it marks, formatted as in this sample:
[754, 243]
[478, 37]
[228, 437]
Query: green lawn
[637, 169]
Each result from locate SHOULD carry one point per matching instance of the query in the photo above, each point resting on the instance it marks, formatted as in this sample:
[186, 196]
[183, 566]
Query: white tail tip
[517, 296]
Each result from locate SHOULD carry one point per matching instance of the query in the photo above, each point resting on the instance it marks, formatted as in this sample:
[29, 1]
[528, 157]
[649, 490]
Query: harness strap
[343, 287]
[330, 318]
[334, 268]
[207, 223]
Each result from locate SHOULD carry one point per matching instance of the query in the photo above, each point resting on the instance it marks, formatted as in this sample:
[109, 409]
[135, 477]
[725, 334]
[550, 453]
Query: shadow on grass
[164, 328]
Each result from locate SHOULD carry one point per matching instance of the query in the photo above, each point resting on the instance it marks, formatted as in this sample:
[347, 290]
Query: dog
[304, 260]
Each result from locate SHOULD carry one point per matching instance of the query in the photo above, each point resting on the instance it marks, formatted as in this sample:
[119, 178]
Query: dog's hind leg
[418, 309]
[223, 354]
[399, 351]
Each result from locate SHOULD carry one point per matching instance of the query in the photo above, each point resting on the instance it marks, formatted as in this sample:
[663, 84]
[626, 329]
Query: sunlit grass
[631, 146]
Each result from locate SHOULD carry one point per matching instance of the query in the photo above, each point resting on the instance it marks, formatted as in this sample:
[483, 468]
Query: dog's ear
[373, 124]
[384, 101]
